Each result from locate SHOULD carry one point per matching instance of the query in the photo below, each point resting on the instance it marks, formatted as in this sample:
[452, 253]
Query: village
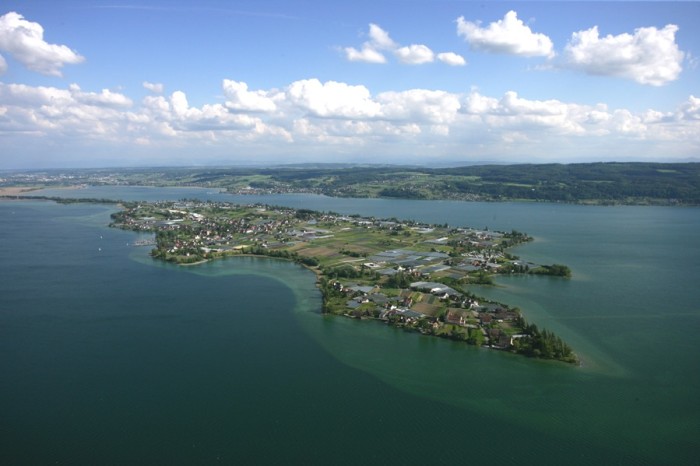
[404, 273]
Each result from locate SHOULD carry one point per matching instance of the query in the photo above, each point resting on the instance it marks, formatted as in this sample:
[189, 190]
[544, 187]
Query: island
[408, 274]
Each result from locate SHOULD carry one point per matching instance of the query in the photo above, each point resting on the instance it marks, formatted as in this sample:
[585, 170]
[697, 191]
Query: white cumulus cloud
[174, 117]
[332, 99]
[415, 54]
[370, 52]
[451, 59]
[508, 35]
[156, 88]
[179, 103]
[24, 41]
[241, 99]
[366, 54]
[649, 56]
[691, 109]
[380, 39]
[538, 117]
[68, 112]
[106, 98]
[420, 106]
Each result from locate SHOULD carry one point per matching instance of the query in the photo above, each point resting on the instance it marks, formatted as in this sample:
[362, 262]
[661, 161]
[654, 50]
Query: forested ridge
[576, 182]
[630, 183]
[598, 183]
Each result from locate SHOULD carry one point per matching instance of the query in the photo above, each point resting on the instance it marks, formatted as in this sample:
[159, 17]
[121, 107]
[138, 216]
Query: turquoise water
[109, 357]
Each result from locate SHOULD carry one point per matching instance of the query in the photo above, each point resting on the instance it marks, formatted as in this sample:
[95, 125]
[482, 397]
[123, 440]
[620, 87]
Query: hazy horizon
[310, 165]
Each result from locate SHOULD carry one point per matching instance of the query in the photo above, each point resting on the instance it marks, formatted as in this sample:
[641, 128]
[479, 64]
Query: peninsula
[408, 274]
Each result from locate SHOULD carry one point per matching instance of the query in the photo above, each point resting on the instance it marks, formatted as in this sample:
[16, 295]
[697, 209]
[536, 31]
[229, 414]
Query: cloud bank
[315, 117]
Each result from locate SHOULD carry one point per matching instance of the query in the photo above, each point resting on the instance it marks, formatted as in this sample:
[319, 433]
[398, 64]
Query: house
[505, 315]
[360, 289]
[435, 268]
[489, 307]
[456, 316]
[378, 298]
[499, 339]
[409, 314]
[353, 304]
[516, 337]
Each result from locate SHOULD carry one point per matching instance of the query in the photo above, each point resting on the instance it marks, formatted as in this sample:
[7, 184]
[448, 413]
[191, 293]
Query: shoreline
[17, 190]
[576, 362]
[203, 261]
[20, 191]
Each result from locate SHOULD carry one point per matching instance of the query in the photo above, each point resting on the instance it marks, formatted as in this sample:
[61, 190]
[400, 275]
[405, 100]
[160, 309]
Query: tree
[482, 278]
[398, 280]
[475, 337]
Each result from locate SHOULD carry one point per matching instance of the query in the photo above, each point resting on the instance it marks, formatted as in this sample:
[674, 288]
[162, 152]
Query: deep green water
[108, 357]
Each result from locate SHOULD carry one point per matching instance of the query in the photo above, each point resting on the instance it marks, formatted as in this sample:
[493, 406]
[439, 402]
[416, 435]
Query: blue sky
[122, 83]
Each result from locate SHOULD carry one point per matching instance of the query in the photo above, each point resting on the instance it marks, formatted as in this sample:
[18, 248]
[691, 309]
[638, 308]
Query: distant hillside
[619, 182]
[598, 183]
[630, 183]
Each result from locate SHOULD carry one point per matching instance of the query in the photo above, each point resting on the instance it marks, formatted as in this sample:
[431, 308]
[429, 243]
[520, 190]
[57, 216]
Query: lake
[110, 357]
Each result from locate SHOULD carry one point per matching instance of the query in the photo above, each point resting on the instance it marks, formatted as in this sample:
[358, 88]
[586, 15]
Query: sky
[431, 82]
